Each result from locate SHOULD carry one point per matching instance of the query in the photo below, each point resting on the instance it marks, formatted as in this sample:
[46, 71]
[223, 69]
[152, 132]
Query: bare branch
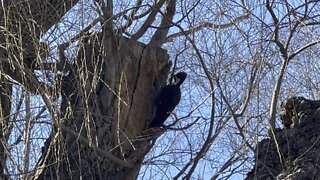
[235, 116]
[192, 30]
[34, 85]
[132, 16]
[227, 164]
[99, 151]
[283, 51]
[285, 61]
[303, 48]
[148, 21]
[160, 35]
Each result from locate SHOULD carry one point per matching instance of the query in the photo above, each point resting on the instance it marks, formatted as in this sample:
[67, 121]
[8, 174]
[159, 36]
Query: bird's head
[179, 78]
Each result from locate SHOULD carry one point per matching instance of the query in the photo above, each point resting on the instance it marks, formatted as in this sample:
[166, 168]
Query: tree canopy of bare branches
[79, 79]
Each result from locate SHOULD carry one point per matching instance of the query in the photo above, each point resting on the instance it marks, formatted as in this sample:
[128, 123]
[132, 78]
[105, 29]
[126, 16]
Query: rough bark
[5, 109]
[295, 154]
[107, 96]
[22, 24]
[25, 22]
[108, 100]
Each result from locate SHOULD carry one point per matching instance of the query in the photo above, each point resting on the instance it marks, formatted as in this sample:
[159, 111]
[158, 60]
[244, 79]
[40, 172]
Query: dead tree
[107, 91]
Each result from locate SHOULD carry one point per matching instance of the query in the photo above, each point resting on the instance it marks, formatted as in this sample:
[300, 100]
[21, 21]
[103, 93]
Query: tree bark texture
[5, 109]
[108, 101]
[22, 24]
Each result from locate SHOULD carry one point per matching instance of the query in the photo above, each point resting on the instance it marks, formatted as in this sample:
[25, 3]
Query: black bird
[167, 99]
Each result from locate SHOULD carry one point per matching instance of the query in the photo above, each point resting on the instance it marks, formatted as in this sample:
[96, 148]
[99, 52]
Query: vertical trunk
[5, 109]
[107, 99]
[22, 24]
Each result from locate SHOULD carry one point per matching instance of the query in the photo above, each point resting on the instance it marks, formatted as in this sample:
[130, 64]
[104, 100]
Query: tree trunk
[22, 24]
[107, 103]
[107, 97]
[5, 109]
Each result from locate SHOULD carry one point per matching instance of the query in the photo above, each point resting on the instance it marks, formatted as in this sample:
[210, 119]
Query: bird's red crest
[182, 75]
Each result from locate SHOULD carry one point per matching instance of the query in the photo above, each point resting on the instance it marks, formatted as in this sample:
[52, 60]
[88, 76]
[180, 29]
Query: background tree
[83, 75]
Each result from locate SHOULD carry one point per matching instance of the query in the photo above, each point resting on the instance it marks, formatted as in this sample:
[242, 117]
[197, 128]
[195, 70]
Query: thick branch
[131, 16]
[160, 35]
[232, 22]
[148, 21]
[29, 21]
[31, 81]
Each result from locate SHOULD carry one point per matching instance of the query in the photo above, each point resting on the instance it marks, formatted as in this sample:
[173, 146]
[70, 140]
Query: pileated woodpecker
[167, 99]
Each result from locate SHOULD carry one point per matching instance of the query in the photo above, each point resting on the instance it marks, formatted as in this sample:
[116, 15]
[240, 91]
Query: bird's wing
[161, 98]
